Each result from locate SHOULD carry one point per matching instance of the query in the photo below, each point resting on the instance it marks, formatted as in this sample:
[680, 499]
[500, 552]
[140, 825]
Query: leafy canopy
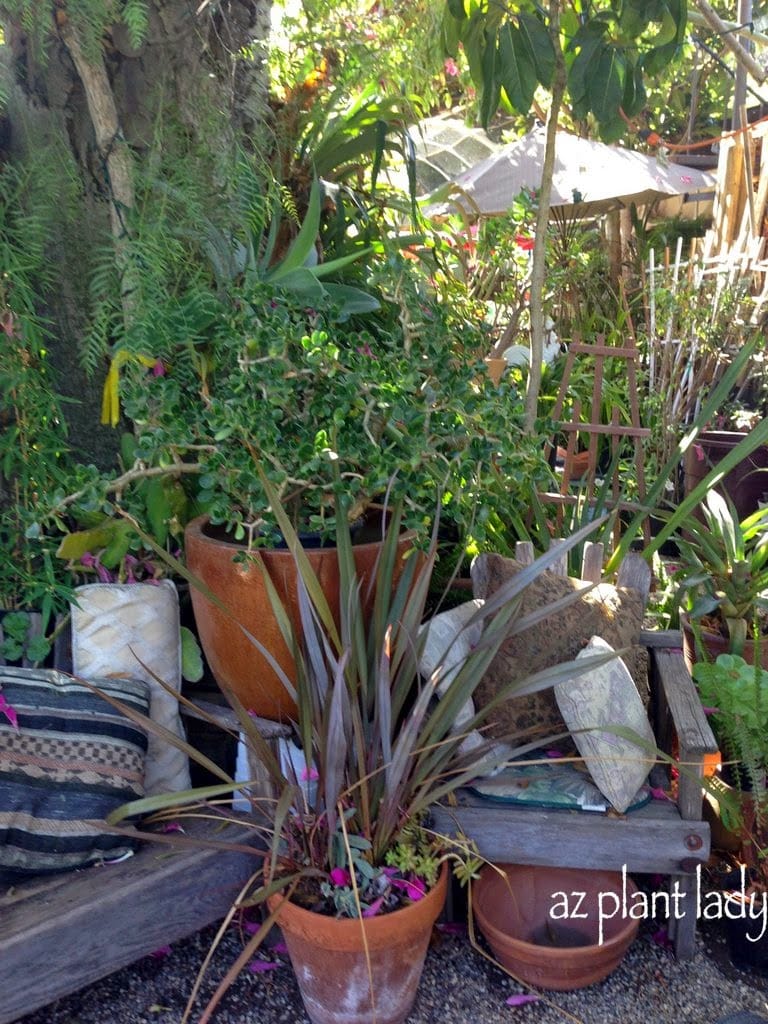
[608, 50]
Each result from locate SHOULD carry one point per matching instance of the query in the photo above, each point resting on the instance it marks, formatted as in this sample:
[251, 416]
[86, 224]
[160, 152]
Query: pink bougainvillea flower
[340, 877]
[262, 966]
[373, 909]
[521, 1000]
[657, 793]
[414, 888]
[158, 954]
[280, 948]
[710, 711]
[309, 774]
[450, 67]
[8, 711]
[158, 370]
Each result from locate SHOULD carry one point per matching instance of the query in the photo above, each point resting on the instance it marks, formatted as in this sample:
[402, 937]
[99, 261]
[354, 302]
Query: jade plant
[322, 405]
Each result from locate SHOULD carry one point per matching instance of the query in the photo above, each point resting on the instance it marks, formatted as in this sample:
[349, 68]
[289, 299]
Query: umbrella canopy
[589, 178]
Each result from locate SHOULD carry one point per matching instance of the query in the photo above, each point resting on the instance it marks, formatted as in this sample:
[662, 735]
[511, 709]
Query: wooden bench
[665, 837]
[59, 934]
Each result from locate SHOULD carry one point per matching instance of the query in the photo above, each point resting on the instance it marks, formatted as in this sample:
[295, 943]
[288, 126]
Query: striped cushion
[73, 759]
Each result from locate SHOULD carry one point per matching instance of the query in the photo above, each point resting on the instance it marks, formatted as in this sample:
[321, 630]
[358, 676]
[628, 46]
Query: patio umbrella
[590, 178]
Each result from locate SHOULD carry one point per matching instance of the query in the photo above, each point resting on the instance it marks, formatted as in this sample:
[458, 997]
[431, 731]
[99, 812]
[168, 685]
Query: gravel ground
[459, 986]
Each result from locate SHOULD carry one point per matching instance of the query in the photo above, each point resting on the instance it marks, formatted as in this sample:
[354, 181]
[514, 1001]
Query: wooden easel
[592, 425]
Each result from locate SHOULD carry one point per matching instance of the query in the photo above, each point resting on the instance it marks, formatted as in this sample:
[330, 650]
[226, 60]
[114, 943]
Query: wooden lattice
[589, 421]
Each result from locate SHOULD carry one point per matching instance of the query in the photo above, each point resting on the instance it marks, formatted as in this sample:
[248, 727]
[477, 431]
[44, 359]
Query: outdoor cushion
[595, 701]
[67, 759]
[133, 629]
[614, 613]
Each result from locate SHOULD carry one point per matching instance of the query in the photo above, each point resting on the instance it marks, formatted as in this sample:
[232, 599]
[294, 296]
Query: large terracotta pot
[514, 911]
[338, 981]
[234, 660]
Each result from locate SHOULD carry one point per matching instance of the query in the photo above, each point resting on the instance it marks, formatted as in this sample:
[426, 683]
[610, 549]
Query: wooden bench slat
[61, 934]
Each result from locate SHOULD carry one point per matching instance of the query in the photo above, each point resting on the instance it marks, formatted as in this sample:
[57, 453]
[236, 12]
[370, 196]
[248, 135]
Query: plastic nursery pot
[234, 659]
[513, 908]
[338, 980]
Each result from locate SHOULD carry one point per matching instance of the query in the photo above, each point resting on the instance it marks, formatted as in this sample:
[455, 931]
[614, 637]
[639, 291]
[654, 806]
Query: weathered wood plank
[224, 716]
[693, 731]
[61, 934]
[649, 840]
[592, 561]
[635, 574]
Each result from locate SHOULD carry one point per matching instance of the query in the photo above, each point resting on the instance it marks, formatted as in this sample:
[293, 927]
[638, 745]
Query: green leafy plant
[396, 394]
[377, 745]
[724, 572]
[20, 639]
[738, 693]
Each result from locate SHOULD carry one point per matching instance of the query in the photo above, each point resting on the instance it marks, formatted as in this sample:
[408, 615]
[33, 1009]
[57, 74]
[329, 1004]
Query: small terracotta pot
[235, 661]
[331, 967]
[514, 909]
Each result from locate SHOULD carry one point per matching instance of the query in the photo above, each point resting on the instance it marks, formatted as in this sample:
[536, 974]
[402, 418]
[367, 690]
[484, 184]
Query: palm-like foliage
[725, 566]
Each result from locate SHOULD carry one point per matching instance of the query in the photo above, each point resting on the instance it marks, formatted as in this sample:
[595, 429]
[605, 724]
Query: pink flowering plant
[348, 830]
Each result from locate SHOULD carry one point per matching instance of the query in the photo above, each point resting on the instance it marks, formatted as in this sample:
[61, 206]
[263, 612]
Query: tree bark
[108, 114]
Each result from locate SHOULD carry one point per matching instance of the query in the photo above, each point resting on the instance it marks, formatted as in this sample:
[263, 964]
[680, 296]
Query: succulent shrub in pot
[393, 401]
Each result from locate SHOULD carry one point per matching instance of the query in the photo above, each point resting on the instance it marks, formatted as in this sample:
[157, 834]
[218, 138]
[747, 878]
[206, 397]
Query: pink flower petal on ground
[158, 954]
[521, 1000]
[280, 948]
[452, 928]
[309, 774]
[553, 753]
[340, 877]
[711, 711]
[657, 793]
[661, 938]
[172, 826]
[262, 966]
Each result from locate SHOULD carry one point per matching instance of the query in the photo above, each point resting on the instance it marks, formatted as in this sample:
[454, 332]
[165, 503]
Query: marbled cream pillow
[115, 628]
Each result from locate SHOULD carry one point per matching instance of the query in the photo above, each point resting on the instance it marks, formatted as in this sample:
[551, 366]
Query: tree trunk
[100, 116]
